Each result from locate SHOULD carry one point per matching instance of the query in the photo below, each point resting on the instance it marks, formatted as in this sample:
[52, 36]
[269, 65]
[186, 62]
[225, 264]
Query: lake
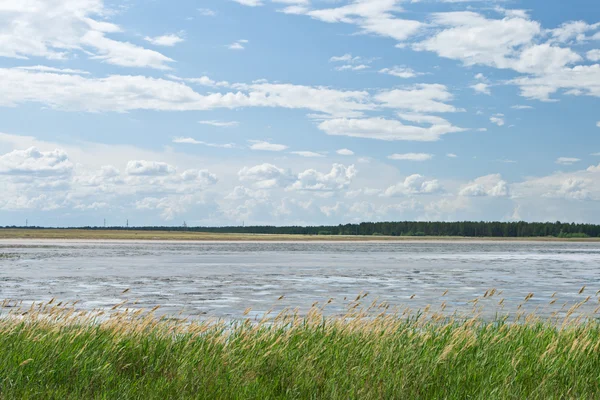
[222, 279]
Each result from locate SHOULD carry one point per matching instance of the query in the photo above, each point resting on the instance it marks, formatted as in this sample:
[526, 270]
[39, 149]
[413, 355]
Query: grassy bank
[54, 352]
[82, 234]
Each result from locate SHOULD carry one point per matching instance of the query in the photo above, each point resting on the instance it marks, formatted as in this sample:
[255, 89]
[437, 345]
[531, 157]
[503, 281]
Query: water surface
[224, 278]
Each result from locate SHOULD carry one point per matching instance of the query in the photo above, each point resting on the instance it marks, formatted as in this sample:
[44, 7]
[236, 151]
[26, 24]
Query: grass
[55, 352]
[7, 233]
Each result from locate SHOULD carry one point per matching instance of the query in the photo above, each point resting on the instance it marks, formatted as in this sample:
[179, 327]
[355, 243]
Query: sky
[308, 112]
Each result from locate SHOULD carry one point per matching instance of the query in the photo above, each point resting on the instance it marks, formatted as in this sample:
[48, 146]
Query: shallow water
[223, 278]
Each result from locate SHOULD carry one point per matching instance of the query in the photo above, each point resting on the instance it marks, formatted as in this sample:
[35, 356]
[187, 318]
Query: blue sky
[298, 111]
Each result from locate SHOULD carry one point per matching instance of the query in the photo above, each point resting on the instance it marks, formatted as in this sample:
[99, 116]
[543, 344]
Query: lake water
[222, 279]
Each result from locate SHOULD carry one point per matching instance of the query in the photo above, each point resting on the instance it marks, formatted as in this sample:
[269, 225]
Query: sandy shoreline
[116, 236]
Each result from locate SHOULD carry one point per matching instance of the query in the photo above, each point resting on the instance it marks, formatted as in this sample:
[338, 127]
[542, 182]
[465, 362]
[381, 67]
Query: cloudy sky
[219, 112]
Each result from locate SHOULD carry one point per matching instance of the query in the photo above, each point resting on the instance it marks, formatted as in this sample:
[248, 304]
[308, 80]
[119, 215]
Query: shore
[52, 351]
[83, 234]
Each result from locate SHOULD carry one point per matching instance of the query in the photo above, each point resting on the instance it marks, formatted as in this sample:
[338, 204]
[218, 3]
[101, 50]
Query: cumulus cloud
[414, 184]
[371, 16]
[490, 185]
[400, 72]
[265, 176]
[199, 175]
[420, 98]
[497, 119]
[593, 55]
[507, 43]
[338, 178]
[60, 30]
[347, 152]
[481, 87]
[149, 168]
[35, 162]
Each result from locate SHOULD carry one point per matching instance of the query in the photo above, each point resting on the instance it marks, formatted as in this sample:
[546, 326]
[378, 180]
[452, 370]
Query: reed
[54, 350]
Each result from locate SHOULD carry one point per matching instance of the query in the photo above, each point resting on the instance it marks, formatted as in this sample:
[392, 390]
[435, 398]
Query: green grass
[56, 353]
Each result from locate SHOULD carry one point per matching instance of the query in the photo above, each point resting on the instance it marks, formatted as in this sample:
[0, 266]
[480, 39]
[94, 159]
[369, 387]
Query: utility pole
[105, 222]
[127, 224]
[26, 223]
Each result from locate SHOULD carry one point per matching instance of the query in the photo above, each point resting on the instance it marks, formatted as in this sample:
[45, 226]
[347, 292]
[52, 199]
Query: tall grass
[55, 351]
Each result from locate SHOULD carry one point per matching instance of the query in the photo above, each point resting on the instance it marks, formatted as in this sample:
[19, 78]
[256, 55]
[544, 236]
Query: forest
[403, 228]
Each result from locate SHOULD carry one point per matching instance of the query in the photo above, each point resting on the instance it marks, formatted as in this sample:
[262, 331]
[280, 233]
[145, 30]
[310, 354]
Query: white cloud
[497, 119]
[203, 80]
[171, 206]
[593, 55]
[35, 162]
[374, 17]
[400, 72]
[124, 54]
[572, 31]
[199, 175]
[238, 45]
[411, 157]
[349, 67]
[220, 124]
[598, 124]
[386, 129]
[451, 155]
[490, 185]
[338, 178]
[149, 168]
[126, 93]
[168, 40]
[250, 3]
[567, 160]
[508, 43]
[309, 154]
[579, 185]
[43, 68]
[207, 12]
[482, 88]
[521, 107]
[474, 39]
[414, 184]
[266, 146]
[581, 80]
[345, 152]
[187, 140]
[420, 98]
[345, 58]
[350, 63]
[265, 176]
[60, 30]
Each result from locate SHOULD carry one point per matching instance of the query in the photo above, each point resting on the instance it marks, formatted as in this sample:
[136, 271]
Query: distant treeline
[406, 228]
